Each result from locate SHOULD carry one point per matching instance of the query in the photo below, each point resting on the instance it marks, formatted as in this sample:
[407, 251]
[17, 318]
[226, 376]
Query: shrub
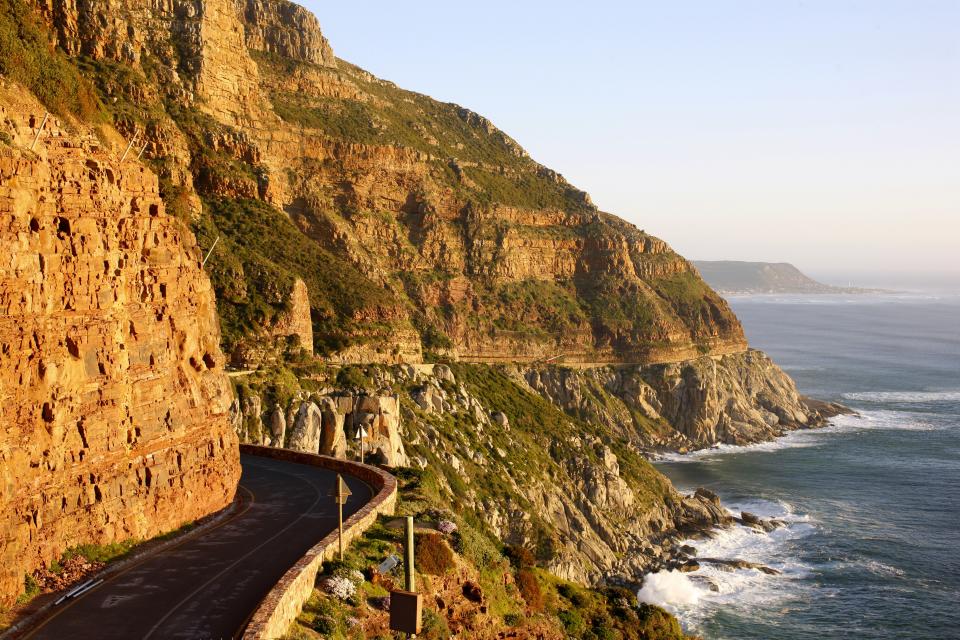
[520, 557]
[530, 589]
[339, 587]
[434, 626]
[446, 526]
[434, 557]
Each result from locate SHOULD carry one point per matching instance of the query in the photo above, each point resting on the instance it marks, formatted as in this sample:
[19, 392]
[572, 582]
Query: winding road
[207, 587]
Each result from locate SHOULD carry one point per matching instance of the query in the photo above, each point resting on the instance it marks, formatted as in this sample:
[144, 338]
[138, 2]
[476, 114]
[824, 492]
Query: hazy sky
[824, 133]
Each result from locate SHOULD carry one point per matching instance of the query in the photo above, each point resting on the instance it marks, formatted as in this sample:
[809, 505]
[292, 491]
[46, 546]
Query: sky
[822, 133]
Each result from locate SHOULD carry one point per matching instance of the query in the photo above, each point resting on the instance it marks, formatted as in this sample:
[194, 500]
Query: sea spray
[669, 589]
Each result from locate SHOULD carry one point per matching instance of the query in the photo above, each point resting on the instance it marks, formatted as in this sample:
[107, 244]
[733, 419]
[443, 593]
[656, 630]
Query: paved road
[207, 587]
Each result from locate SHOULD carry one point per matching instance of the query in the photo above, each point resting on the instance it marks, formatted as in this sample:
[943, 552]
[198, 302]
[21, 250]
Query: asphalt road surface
[207, 587]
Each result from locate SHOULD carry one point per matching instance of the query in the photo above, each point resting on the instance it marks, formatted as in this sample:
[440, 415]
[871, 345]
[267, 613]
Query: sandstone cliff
[452, 238]
[112, 394]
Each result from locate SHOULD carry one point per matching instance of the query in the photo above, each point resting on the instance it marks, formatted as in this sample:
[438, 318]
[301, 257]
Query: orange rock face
[114, 401]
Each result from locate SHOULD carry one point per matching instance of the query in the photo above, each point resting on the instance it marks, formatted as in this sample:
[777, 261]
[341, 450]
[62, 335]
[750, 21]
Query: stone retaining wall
[283, 604]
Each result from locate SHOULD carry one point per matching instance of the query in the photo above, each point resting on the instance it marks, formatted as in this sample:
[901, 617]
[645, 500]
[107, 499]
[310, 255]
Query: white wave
[669, 589]
[907, 397]
[791, 440]
[802, 438]
[695, 596]
[883, 420]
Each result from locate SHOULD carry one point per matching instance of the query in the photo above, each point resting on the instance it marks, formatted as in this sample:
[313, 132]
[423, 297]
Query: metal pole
[202, 264]
[127, 150]
[142, 149]
[411, 582]
[340, 516]
[46, 114]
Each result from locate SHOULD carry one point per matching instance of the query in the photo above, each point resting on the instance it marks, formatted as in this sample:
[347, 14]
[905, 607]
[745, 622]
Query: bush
[520, 557]
[530, 589]
[434, 557]
[434, 626]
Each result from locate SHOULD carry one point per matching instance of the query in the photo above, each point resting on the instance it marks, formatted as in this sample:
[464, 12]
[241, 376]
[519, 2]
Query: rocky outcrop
[738, 398]
[114, 400]
[286, 29]
[329, 425]
[295, 322]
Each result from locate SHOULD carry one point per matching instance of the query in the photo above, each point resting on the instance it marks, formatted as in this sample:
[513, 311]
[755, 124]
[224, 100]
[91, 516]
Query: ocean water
[872, 546]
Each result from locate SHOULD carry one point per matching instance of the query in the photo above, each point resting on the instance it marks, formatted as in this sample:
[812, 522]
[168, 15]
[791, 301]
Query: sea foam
[669, 589]
[904, 397]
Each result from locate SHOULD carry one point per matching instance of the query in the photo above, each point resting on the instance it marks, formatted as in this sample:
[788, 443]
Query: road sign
[361, 433]
[341, 491]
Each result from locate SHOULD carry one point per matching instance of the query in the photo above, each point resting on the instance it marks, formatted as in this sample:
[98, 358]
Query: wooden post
[410, 583]
[46, 114]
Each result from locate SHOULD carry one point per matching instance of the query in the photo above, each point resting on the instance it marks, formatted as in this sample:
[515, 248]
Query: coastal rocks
[735, 564]
[748, 519]
[701, 512]
[277, 424]
[738, 398]
[115, 403]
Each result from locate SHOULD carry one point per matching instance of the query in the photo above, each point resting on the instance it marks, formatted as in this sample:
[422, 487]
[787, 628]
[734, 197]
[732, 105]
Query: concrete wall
[283, 604]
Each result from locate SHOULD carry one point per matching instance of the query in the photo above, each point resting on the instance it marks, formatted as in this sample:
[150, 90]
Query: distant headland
[734, 276]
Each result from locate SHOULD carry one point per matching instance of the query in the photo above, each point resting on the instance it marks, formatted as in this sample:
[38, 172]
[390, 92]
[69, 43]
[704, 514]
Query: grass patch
[28, 57]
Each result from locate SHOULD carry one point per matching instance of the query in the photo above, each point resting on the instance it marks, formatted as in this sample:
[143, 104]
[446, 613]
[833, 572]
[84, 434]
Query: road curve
[207, 587]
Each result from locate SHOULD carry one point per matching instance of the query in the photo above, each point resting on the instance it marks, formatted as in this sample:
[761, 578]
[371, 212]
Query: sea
[872, 502]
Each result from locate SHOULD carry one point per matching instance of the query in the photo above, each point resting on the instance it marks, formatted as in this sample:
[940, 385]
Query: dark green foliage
[30, 589]
[353, 377]
[28, 57]
[253, 267]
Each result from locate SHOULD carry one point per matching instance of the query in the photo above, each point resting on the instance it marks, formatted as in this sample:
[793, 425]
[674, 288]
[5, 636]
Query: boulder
[305, 435]
[278, 426]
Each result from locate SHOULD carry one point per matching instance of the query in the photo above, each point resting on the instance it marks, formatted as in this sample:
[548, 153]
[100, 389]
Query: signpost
[361, 434]
[340, 493]
[406, 607]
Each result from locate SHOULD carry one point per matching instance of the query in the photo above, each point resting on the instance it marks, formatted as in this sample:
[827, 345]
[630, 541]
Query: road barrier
[283, 604]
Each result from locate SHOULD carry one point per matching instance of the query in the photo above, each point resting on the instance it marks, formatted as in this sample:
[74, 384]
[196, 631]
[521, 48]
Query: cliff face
[485, 444]
[463, 245]
[114, 401]
[732, 399]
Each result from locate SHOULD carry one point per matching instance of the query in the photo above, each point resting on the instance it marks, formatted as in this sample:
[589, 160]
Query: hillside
[733, 276]
[355, 231]
[416, 225]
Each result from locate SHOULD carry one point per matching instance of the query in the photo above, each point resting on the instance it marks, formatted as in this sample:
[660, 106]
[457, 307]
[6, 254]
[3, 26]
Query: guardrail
[283, 603]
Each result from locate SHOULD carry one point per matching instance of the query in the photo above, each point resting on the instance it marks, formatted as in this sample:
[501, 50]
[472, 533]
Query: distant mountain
[734, 276]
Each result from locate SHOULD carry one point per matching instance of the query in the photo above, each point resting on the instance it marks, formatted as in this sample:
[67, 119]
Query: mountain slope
[475, 250]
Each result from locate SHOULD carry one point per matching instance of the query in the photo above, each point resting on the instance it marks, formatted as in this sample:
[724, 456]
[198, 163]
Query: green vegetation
[253, 267]
[28, 57]
[30, 590]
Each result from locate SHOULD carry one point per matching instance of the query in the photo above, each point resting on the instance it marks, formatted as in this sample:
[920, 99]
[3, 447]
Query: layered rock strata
[113, 399]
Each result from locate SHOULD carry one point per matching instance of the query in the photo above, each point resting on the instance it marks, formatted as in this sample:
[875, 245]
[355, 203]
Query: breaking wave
[904, 397]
